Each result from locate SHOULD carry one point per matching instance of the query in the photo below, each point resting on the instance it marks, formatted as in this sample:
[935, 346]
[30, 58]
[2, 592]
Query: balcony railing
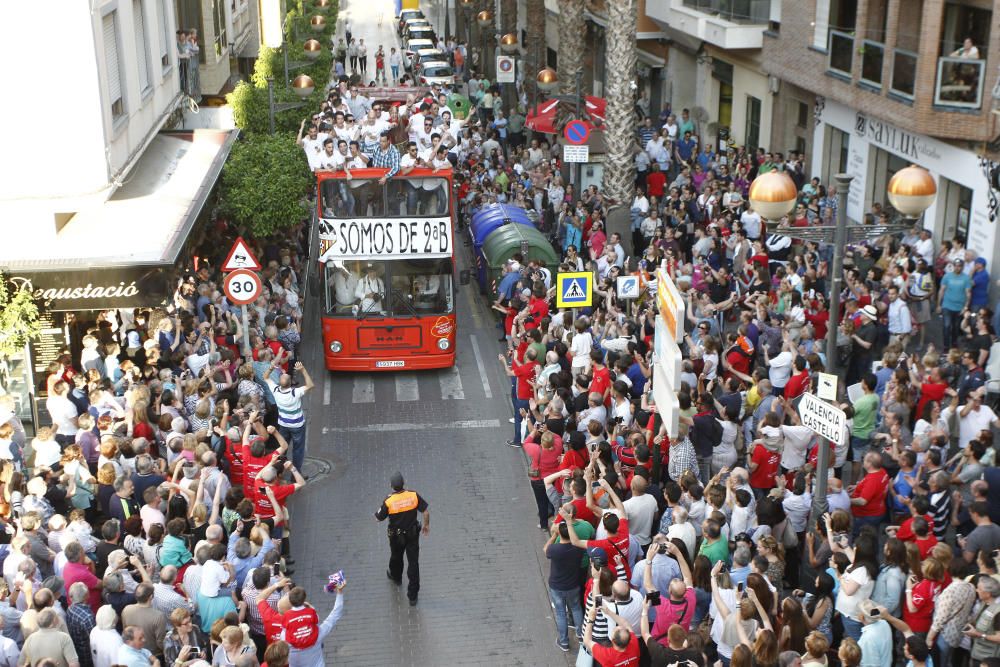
[872, 57]
[904, 73]
[960, 82]
[841, 50]
[736, 11]
[190, 77]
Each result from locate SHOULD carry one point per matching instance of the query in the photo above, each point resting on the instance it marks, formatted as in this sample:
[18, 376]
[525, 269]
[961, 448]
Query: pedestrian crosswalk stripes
[446, 384]
[407, 388]
[364, 389]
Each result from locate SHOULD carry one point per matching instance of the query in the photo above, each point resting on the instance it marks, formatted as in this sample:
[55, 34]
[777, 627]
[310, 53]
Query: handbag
[536, 471]
[584, 659]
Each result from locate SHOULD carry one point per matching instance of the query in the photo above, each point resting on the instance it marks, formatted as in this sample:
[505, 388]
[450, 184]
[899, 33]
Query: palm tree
[619, 131]
[571, 27]
[534, 51]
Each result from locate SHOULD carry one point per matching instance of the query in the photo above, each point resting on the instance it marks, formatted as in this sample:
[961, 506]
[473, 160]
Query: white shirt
[899, 317]
[684, 532]
[366, 286]
[797, 438]
[62, 411]
[925, 248]
[630, 610]
[581, 346]
[971, 424]
[640, 511]
[328, 161]
[104, 646]
[47, 452]
[780, 369]
[847, 605]
[213, 576]
[797, 509]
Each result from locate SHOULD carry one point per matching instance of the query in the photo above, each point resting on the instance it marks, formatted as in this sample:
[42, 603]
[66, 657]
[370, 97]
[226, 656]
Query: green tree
[265, 183]
[18, 319]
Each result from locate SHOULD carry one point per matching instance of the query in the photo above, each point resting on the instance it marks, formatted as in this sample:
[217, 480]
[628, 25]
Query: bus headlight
[443, 344]
[336, 346]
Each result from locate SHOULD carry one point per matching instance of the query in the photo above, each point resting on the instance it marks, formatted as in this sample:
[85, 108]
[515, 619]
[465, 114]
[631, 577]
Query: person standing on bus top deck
[412, 187]
[385, 156]
[439, 186]
[402, 508]
[370, 291]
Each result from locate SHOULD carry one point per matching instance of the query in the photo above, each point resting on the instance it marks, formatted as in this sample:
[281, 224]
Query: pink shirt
[546, 460]
[74, 572]
[670, 612]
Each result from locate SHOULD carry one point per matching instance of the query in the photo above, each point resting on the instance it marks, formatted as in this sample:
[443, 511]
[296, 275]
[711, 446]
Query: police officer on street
[402, 508]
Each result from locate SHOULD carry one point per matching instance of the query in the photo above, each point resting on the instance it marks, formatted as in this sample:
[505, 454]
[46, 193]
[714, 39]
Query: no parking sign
[505, 69]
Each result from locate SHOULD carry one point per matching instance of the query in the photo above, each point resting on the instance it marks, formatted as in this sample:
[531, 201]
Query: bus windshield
[395, 288]
[399, 197]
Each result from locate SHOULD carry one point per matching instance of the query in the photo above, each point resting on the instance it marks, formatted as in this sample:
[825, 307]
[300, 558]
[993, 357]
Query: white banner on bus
[384, 238]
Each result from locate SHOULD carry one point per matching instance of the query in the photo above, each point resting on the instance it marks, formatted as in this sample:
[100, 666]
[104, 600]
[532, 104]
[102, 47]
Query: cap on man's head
[598, 556]
[869, 311]
[981, 261]
[396, 481]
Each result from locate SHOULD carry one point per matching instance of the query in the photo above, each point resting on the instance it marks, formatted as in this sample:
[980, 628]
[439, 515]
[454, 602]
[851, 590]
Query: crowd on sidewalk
[145, 522]
[703, 546]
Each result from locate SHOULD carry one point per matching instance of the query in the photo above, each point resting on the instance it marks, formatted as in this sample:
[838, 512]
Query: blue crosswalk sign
[628, 287]
[574, 290]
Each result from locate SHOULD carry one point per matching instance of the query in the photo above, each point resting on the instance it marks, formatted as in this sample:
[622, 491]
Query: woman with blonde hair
[184, 632]
[770, 548]
[230, 648]
[849, 653]
[276, 654]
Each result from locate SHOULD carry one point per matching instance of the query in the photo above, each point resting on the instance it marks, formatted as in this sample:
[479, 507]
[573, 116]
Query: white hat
[870, 312]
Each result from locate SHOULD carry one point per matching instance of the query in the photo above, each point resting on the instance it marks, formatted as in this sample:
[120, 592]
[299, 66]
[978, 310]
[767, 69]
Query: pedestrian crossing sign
[574, 290]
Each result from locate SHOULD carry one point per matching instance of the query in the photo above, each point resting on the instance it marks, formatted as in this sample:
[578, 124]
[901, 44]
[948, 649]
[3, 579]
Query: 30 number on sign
[242, 287]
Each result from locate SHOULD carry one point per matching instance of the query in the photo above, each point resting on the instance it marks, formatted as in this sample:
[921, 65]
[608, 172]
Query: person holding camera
[681, 602]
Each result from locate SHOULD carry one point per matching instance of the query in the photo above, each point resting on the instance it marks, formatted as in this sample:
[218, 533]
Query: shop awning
[146, 221]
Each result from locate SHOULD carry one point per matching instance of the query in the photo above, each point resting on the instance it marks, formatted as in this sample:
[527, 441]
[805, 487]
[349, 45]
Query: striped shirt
[289, 402]
[388, 159]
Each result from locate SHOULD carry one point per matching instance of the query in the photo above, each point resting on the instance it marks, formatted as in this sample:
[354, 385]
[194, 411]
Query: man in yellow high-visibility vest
[403, 507]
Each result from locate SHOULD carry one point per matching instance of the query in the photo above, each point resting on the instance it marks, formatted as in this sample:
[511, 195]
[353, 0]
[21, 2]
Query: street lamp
[546, 81]
[773, 195]
[484, 19]
[312, 49]
[323, 5]
[303, 85]
[467, 6]
[317, 22]
[509, 46]
[911, 191]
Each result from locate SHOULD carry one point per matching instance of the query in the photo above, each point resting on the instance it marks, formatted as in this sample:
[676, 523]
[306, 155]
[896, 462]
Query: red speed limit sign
[242, 287]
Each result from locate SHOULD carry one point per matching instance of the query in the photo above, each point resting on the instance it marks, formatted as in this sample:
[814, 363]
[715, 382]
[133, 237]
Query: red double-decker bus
[386, 254]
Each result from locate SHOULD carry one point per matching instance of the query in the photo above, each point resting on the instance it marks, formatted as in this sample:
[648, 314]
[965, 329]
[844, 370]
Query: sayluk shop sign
[96, 289]
[390, 238]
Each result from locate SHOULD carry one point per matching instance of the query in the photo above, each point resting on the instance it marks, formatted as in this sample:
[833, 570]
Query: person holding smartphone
[184, 635]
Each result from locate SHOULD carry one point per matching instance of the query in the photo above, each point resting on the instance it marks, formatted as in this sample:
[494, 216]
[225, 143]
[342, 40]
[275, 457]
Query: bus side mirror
[464, 277]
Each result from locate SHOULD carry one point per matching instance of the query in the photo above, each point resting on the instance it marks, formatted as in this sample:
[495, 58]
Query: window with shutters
[166, 39]
[141, 47]
[113, 65]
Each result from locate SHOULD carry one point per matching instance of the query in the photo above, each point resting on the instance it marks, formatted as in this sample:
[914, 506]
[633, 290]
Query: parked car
[419, 32]
[436, 72]
[405, 15]
[416, 23]
[416, 45]
[426, 56]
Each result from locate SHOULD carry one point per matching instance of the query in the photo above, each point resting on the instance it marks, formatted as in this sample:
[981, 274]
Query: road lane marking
[326, 388]
[364, 389]
[482, 366]
[451, 384]
[406, 387]
[403, 426]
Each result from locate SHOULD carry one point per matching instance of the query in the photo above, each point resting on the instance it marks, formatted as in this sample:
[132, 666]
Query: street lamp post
[467, 6]
[911, 191]
[485, 19]
[303, 86]
[509, 47]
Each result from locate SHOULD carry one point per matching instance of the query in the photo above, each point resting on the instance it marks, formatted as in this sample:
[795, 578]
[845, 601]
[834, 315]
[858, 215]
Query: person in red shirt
[616, 544]
[525, 374]
[624, 649]
[868, 496]
[656, 181]
[536, 310]
[764, 465]
[799, 382]
[920, 595]
[253, 453]
[600, 382]
[923, 537]
[270, 496]
[818, 316]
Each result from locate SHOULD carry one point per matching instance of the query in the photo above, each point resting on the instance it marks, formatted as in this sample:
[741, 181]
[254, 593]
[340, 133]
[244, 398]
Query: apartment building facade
[715, 67]
[101, 205]
[899, 82]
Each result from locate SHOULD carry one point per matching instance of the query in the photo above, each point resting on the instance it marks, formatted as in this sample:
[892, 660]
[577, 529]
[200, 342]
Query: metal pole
[284, 50]
[837, 270]
[819, 504]
[447, 19]
[246, 334]
[579, 103]
[270, 103]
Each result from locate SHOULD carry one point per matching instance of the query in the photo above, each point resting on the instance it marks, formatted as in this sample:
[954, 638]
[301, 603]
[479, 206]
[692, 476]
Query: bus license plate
[390, 364]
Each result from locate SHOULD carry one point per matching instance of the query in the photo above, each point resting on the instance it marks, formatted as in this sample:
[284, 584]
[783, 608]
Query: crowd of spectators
[145, 522]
